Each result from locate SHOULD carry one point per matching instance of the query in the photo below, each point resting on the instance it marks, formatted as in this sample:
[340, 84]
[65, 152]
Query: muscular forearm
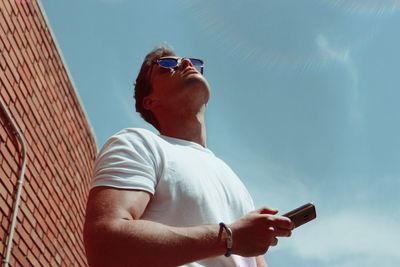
[145, 243]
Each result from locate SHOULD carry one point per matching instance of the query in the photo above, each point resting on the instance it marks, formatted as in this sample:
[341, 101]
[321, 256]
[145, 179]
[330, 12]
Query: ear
[149, 102]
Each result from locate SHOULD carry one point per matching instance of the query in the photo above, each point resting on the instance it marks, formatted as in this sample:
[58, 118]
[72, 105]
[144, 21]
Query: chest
[196, 184]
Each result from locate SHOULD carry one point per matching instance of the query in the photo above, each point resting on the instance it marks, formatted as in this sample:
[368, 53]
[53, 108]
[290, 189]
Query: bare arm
[115, 235]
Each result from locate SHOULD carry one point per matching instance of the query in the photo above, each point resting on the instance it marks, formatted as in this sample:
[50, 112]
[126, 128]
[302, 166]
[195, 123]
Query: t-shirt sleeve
[125, 162]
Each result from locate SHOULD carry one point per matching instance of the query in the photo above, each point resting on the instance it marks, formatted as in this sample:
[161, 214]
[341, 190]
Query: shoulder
[134, 134]
[134, 143]
[133, 137]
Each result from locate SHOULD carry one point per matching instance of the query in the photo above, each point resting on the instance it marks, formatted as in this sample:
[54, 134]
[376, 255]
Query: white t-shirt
[189, 184]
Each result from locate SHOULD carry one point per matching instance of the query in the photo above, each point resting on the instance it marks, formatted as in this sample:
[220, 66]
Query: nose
[185, 63]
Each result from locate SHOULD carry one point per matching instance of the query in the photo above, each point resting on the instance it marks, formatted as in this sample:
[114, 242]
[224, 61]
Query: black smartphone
[302, 214]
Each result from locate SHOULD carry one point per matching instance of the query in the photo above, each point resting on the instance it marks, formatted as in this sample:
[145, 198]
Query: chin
[196, 79]
[198, 85]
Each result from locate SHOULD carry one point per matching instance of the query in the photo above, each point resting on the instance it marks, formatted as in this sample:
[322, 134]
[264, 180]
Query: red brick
[6, 181]
[12, 144]
[17, 118]
[18, 105]
[34, 51]
[34, 111]
[26, 18]
[33, 36]
[20, 257]
[29, 140]
[3, 62]
[5, 222]
[7, 155]
[28, 215]
[6, 97]
[38, 92]
[43, 195]
[22, 87]
[3, 234]
[22, 74]
[25, 235]
[25, 67]
[38, 36]
[51, 225]
[37, 241]
[7, 6]
[5, 167]
[32, 197]
[20, 15]
[33, 259]
[45, 51]
[29, 51]
[49, 245]
[17, 50]
[3, 26]
[20, 37]
[4, 208]
[23, 247]
[14, 47]
[15, 76]
[3, 191]
[18, 9]
[8, 81]
[37, 19]
[8, 20]
[39, 85]
[29, 203]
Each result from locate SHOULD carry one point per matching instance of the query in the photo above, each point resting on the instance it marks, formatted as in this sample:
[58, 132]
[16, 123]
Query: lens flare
[367, 7]
[280, 34]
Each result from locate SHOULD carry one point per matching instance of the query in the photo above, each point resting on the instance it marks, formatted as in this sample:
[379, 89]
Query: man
[167, 200]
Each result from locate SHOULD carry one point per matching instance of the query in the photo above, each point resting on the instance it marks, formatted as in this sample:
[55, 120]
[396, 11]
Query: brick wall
[37, 91]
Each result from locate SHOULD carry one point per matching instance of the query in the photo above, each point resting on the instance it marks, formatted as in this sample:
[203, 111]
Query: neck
[190, 128]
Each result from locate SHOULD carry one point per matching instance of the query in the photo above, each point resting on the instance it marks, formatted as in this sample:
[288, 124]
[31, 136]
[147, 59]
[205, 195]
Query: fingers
[278, 232]
[280, 222]
[282, 232]
[267, 210]
[275, 231]
[284, 223]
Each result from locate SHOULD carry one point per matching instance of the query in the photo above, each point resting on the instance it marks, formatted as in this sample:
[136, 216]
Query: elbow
[91, 247]
[99, 249]
[106, 245]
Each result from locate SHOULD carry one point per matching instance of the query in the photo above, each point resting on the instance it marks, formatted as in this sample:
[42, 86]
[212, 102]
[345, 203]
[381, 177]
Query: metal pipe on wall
[20, 183]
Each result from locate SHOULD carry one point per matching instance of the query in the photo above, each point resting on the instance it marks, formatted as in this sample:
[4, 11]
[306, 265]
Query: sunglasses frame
[179, 61]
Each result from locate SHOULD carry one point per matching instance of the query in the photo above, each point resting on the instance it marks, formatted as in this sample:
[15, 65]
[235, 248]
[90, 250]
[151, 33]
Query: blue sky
[304, 104]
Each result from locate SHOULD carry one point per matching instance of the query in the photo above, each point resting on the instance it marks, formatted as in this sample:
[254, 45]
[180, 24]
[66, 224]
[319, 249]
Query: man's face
[182, 86]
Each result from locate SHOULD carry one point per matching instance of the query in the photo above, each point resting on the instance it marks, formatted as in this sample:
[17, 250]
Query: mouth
[190, 70]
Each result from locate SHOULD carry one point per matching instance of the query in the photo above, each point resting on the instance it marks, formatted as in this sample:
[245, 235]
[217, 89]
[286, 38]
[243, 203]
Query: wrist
[226, 232]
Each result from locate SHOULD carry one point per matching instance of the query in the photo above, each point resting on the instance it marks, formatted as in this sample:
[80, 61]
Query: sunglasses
[174, 62]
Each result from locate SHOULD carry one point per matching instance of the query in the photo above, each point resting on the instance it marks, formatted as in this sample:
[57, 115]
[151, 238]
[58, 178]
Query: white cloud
[343, 57]
[276, 184]
[348, 238]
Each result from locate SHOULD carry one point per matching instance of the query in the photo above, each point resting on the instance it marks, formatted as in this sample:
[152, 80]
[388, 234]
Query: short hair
[143, 86]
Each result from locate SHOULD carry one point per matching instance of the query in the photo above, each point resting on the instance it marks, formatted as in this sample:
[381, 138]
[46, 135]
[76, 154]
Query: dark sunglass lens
[168, 62]
[197, 63]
